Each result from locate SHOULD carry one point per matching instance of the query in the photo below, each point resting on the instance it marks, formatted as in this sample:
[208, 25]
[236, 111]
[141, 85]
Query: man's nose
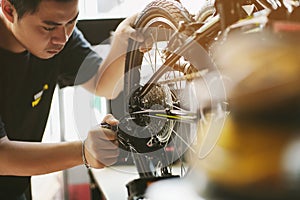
[60, 36]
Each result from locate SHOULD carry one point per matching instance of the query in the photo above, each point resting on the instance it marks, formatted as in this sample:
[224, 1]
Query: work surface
[113, 180]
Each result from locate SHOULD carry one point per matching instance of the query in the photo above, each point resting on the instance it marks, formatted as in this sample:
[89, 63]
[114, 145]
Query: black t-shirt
[27, 84]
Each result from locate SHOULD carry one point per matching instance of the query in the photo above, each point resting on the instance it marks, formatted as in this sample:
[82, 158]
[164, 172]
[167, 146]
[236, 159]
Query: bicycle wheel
[161, 107]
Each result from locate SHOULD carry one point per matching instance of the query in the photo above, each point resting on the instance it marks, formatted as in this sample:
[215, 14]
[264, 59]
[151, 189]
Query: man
[40, 47]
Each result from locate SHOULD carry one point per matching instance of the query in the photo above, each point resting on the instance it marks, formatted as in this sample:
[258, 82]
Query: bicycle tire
[170, 89]
[163, 15]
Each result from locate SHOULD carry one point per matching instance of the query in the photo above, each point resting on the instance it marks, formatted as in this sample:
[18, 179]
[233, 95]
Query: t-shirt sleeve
[2, 130]
[79, 62]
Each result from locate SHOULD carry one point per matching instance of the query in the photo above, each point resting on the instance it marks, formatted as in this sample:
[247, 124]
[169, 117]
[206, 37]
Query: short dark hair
[28, 6]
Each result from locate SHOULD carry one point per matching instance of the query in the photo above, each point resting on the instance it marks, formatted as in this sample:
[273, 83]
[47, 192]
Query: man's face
[45, 32]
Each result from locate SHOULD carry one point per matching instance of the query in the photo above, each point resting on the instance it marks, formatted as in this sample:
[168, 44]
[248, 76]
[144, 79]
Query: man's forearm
[109, 80]
[28, 158]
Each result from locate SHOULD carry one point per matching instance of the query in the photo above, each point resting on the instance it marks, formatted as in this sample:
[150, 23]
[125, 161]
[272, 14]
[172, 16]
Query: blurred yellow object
[264, 104]
[245, 155]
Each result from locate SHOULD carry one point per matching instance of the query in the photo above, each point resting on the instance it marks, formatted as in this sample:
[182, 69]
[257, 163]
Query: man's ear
[8, 10]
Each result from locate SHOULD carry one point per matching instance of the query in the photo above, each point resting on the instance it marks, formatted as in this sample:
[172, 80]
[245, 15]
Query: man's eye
[49, 28]
[72, 22]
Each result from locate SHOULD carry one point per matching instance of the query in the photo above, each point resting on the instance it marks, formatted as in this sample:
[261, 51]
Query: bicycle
[160, 121]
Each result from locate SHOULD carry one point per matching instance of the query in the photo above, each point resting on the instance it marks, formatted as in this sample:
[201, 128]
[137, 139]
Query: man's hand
[109, 80]
[101, 145]
[126, 29]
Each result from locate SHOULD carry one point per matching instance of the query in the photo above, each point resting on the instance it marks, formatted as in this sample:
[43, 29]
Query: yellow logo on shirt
[37, 97]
